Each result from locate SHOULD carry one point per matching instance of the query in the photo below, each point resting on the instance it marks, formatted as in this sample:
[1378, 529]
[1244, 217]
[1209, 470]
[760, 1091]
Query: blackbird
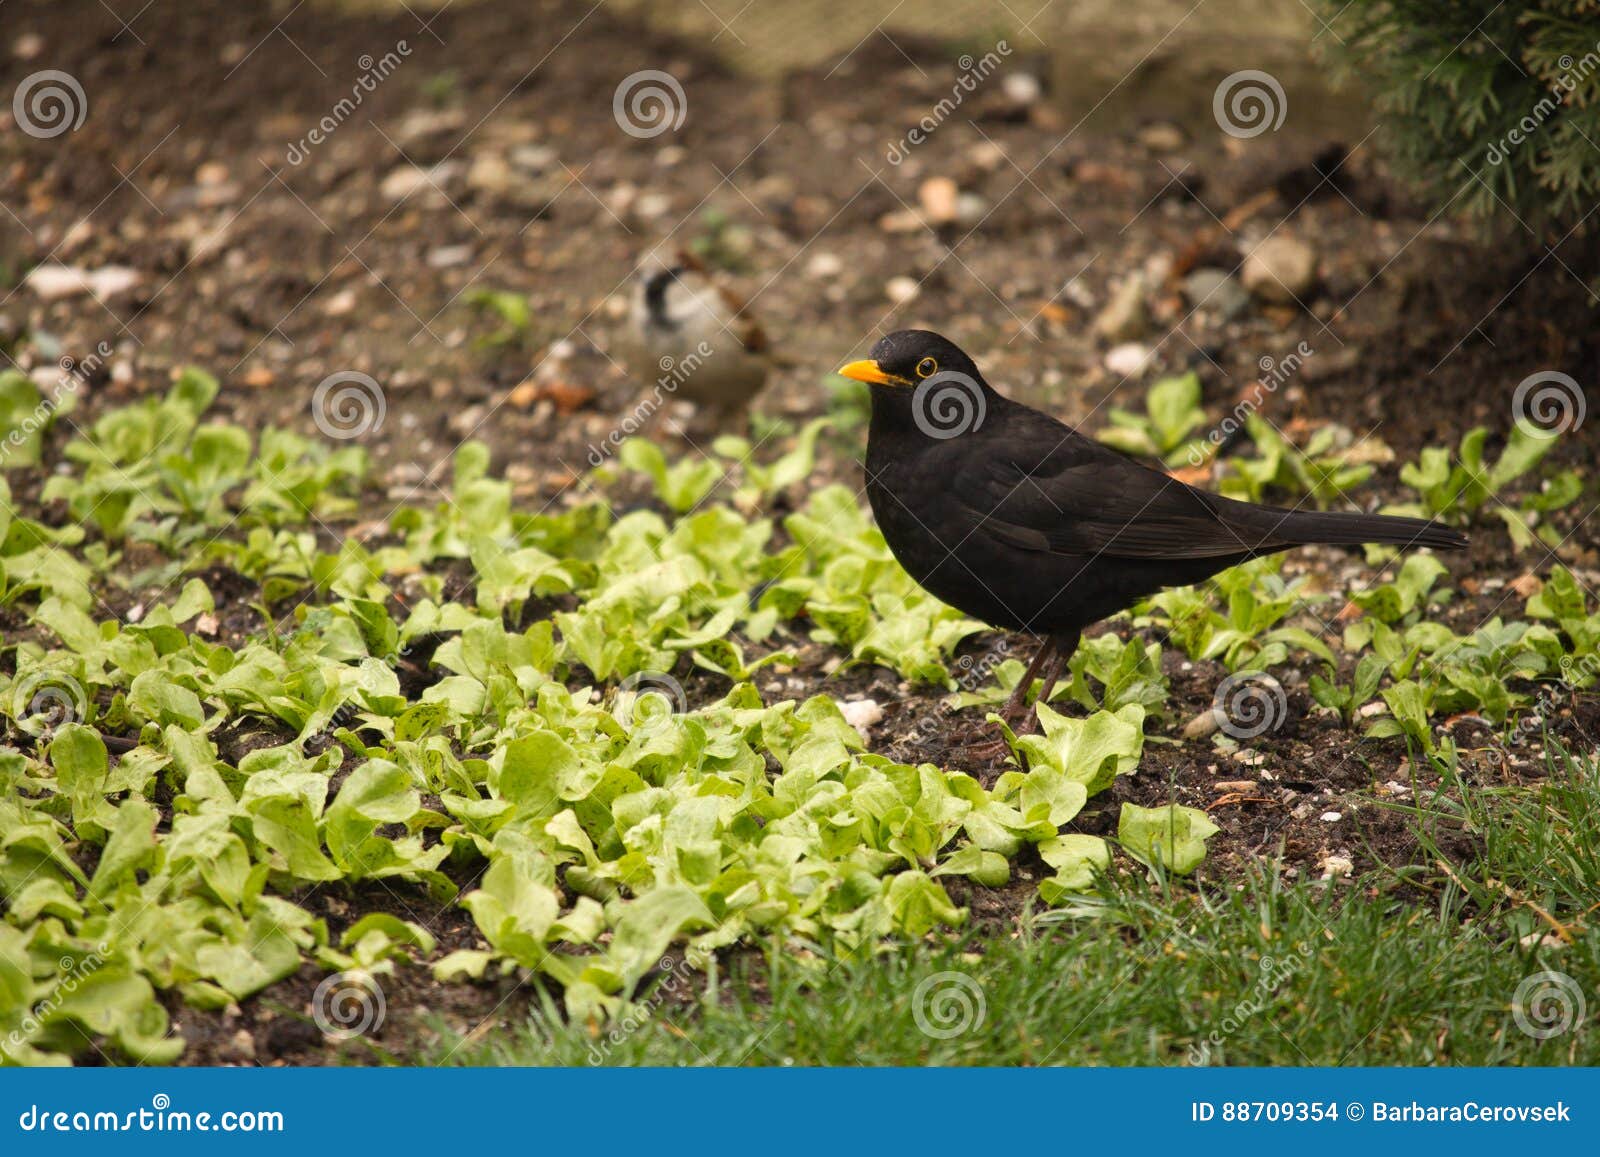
[1017, 519]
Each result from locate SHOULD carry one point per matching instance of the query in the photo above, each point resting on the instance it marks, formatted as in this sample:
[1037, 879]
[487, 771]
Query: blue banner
[786, 1110]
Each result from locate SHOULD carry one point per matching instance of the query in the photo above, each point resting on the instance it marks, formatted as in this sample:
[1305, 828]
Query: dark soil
[274, 274]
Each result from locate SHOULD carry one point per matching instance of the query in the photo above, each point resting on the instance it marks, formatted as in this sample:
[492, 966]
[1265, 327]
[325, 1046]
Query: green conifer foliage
[1494, 108]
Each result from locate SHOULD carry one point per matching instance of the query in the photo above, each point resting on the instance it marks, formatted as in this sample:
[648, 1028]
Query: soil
[273, 274]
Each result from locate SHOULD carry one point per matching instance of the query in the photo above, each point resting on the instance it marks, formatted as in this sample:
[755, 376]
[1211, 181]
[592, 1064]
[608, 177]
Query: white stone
[862, 714]
[1128, 359]
[902, 289]
[53, 282]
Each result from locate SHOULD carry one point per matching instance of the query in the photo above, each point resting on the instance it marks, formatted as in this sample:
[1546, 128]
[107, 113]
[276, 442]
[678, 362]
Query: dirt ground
[490, 160]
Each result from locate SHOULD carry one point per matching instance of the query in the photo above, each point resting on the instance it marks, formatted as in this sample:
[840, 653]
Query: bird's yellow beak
[869, 371]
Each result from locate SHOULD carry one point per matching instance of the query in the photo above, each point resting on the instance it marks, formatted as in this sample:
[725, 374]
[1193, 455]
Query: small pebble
[1021, 88]
[938, 197]
[341, 303]
[971, 208]
[824, 265]
[902, 289]
[862, 714]
[1336, 866]
[1282, 270]
[1128, 360]
[448, 256]
[402, 182]
[240, 1048]
[1216, 291]
[1124, 317]
[649, 206]
[52, 282]
[1162, 137]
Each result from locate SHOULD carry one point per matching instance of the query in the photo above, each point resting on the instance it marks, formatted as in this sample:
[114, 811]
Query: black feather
[1019, 520]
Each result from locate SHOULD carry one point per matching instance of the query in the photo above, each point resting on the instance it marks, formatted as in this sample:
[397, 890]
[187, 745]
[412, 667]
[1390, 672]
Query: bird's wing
[1050, 489]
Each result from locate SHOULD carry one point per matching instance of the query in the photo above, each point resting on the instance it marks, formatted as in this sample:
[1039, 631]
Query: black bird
[1017, 519]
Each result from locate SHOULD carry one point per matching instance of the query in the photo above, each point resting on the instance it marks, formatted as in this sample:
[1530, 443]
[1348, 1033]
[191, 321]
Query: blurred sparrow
[695, 340]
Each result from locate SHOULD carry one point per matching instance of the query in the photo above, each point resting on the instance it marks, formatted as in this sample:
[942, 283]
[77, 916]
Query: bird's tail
[1333, 528]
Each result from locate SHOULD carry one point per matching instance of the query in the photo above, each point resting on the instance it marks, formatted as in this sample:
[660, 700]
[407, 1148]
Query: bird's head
[908, 357]
[926, 380]
[654, 286]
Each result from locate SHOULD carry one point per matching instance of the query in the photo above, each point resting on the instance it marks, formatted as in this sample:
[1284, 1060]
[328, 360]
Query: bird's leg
[1063, 646]
[1015, 714]
[1017, 705]
[1054, 653]
[1066, 647]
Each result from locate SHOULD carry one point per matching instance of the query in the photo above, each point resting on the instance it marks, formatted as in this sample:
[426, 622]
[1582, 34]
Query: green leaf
[982, 867]
[131, 846]
[1092, 751]
[1078, 861]
[154, 696]
[1172, 837]
[649, 924]
[1049, 795]
[919, 904]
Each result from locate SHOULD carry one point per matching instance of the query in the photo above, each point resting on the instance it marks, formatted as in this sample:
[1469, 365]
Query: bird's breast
[917, 513]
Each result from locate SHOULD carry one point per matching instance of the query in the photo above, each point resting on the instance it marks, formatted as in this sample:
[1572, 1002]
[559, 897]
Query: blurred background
[463, 201]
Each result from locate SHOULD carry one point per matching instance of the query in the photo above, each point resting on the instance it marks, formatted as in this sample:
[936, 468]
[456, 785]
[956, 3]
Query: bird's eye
[927, 367]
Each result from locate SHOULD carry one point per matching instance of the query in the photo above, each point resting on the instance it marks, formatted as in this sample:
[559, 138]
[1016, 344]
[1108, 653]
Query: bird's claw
[986, 752]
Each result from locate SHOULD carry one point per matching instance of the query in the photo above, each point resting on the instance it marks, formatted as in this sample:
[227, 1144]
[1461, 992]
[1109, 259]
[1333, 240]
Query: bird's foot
[1021, 721]
[985, 750]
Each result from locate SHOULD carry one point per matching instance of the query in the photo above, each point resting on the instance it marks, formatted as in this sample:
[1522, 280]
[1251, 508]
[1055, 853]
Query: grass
[1418, 964]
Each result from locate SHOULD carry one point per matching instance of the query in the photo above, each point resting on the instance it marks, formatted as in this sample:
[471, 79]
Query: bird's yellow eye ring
[927, 367]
